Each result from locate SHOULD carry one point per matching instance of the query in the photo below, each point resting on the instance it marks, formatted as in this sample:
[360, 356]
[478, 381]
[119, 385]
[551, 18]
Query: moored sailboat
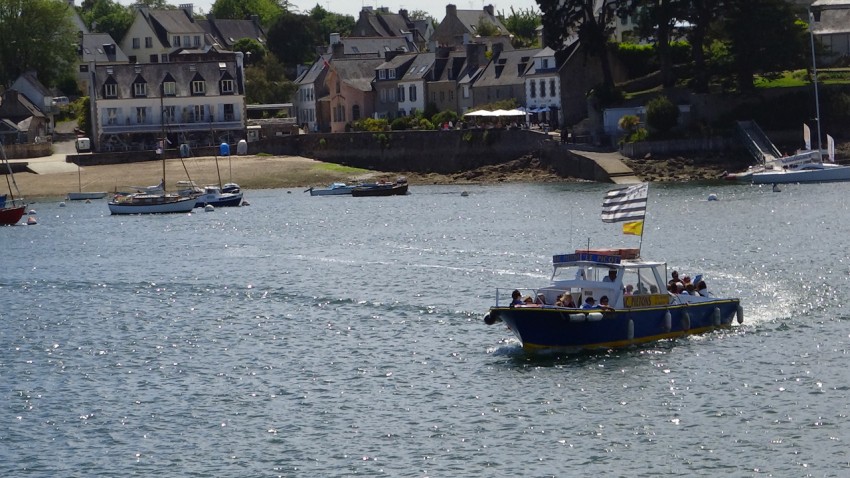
[11, 209]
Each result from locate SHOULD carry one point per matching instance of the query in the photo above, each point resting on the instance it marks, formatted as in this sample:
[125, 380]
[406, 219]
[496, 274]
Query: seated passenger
[589, 303]
[541, 299]
[566, 300]
[516, 298]
[653, 289]
[611, 277]
[702, 289]
[603, 303]
[630, 289]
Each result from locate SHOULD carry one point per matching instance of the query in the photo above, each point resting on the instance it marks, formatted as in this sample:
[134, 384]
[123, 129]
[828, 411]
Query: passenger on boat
[611, 277]
[629, 290]
[566, 300]
[516, 298]
[702, 289]
[541, 299]
[603, 303]
[690, 289]
[589, 303]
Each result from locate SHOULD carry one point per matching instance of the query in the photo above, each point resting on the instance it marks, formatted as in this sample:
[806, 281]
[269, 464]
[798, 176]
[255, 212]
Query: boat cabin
[587, 273]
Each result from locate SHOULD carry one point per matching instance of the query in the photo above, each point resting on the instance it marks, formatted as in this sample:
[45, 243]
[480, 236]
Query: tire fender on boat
[716, 316]
[577, 317]
[594, 316]
[740, 314]
[489, 319]
[630, 331]
[668, 321]
[686, 321]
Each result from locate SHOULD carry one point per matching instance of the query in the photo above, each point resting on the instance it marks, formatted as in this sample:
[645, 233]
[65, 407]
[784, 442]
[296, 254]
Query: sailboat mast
[815, 79]
[162, 130]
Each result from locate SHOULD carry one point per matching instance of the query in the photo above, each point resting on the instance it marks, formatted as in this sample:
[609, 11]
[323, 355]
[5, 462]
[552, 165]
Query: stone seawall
[442, 152]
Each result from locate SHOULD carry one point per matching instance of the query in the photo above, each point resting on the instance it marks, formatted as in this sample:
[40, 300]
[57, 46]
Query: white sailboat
[80, 195]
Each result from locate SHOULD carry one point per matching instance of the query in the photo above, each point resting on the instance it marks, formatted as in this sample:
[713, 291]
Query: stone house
[458, 26]
[24, 122]
[96, 49]
[543, 88]
[455, 73]
[386, 84]
[504, 77]
[412, 87]
[381, 22]
[226, 32]
[36, 102]
[350, 93]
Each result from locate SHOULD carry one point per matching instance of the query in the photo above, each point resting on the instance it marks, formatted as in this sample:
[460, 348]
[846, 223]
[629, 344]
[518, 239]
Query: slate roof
[92, 49]
[470, 19]
[373, 45]
[833, 21]
[358, 72]
[312, 74]
[421, 69]
[508, 68]
[154, 74]
[174, 21]
[227, 32]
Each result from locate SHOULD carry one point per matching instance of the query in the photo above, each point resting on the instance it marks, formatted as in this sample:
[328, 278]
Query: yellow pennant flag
[634, 228]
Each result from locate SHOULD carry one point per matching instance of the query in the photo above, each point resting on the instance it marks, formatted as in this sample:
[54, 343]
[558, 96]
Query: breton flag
[830, 148]
[807, 136]
[625, 204]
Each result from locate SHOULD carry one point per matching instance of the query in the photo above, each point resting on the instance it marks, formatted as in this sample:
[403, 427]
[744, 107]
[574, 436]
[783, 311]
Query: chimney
[255, 19]
[489, 9]
[338, 50]
[335, 38]
[188, 8]
[451, 11]
[389, 55]
[476, 54]
[211, 17]
[403, 14]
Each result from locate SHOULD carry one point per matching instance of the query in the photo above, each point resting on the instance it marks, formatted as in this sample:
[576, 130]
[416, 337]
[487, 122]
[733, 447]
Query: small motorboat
[398, 188]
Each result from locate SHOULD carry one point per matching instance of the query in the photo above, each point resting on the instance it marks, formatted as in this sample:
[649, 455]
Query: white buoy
[209, 208]
[668, 321]
[594, 316]
[61, 203]
[686, 321]
[31, 212]
[712, 197]
[631, 330]
[31, 221]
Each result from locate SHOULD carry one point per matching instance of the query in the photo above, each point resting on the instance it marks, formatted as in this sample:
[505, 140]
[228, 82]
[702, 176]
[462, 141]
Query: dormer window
[227, 86]
[545, 63]
[382, 74]
[110, 88]
[392, 73]
[199, 87]
[175, 41]
[140, 87]
[169, 88]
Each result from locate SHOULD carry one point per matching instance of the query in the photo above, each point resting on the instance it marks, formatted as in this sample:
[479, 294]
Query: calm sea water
[322, 336]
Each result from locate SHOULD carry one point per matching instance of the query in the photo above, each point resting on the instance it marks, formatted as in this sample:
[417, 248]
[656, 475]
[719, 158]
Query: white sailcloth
[625, 204]
[830, 148]
[807, 136]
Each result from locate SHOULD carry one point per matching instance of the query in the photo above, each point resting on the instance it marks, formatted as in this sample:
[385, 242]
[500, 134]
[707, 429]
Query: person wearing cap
[589, 303]
[611, 277]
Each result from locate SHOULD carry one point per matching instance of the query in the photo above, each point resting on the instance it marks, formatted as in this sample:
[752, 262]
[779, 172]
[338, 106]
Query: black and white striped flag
[625, 204]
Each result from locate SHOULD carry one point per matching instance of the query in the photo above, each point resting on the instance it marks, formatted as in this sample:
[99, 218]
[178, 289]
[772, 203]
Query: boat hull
[338, 191]
[84, 196]
[219, 200]
[826, 173]
[10, 216]
[380, 190]
[151, 204]
[587, 329]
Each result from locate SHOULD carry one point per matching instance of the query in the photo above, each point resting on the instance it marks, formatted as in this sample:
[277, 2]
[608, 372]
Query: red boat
[10, 216]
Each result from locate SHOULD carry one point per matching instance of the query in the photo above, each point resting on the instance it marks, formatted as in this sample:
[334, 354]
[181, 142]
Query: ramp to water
[756, 142]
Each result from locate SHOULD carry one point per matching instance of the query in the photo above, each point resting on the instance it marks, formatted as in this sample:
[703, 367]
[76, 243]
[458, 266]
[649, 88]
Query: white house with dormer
[543, 87]
[196, 99]
[155, 34]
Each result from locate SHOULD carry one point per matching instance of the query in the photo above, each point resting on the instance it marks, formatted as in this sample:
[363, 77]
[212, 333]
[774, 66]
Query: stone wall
[442, 152]
[28, 150]
[679, 146]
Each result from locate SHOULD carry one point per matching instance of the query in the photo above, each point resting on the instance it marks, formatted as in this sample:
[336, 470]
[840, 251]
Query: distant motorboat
[335, 189]
[214, 196]
[399, 188]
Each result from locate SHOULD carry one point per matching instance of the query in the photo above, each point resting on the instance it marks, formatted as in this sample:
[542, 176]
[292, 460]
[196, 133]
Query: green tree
[254, 51]
[329, 22]
[661, 114]
[292, 39]
[592, 22]
[701, 14]
[423, 15]
[267, 10]
[523, 24]
[754, 29]
[657, 20]
[485, 28]
[36, 35]
[107, 16]
[265, 83]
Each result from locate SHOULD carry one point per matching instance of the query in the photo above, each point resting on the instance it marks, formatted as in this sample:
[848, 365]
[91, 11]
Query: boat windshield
[636, 278]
